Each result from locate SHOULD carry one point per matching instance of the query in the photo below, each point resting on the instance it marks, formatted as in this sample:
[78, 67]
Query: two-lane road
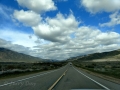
[71, 79]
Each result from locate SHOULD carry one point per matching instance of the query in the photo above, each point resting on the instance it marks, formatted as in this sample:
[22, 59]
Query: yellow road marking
[57, 81]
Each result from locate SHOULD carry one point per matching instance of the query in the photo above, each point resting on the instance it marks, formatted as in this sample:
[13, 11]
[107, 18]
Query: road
[70, 78]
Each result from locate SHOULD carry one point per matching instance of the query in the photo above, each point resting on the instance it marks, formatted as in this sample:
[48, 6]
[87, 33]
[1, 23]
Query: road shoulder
[115, 80]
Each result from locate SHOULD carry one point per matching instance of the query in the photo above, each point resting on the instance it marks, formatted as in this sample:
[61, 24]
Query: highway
[64, 78]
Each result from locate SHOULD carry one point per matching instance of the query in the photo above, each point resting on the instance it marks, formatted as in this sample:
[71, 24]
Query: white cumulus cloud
[95, 6]
[57, 29]
[38, 5]
[87, 40]
[62, 36]
[29, 18]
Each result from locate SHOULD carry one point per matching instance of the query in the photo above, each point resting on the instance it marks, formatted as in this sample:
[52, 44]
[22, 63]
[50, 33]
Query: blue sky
[60, 29]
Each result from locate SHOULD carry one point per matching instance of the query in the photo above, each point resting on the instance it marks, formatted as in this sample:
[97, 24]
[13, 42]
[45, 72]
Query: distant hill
[7, 55]
[105, 55]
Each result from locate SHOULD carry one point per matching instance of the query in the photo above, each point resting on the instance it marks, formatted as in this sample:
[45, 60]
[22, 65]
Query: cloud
[62, 37]
[38, 5]
[14, 47]
[114, 20]
[57, 29]
[92, 37]
[29, 18]
[95, 6]
[87, 40]
[17, 37]
[108, 38]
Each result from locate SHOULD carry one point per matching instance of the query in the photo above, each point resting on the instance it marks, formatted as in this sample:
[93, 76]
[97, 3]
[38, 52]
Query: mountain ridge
[7, 55]
[104, 55]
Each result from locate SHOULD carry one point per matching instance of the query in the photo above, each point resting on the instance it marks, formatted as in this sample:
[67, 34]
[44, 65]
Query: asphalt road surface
[65, 78]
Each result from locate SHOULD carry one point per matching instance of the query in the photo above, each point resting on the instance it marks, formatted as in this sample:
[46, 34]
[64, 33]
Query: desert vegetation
[106, 68]
[15, 68]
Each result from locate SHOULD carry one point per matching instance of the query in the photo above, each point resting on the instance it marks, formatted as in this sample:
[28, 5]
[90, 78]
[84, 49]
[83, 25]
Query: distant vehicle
[70, 64]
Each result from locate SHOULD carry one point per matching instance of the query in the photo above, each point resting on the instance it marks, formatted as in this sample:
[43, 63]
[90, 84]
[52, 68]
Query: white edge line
[92, 80]
[29, 77]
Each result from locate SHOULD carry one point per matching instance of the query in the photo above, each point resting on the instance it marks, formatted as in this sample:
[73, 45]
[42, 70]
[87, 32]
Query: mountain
[104, 55]
[7, 55]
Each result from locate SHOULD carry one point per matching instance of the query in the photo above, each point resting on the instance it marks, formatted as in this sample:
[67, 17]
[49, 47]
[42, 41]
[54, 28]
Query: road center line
[92, 79]
[57, 80]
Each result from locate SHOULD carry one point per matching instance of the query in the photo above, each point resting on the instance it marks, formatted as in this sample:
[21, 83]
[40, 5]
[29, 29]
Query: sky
[60, 29]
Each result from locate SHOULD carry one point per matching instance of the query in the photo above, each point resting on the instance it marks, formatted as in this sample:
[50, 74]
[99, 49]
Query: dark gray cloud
[14, 47]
